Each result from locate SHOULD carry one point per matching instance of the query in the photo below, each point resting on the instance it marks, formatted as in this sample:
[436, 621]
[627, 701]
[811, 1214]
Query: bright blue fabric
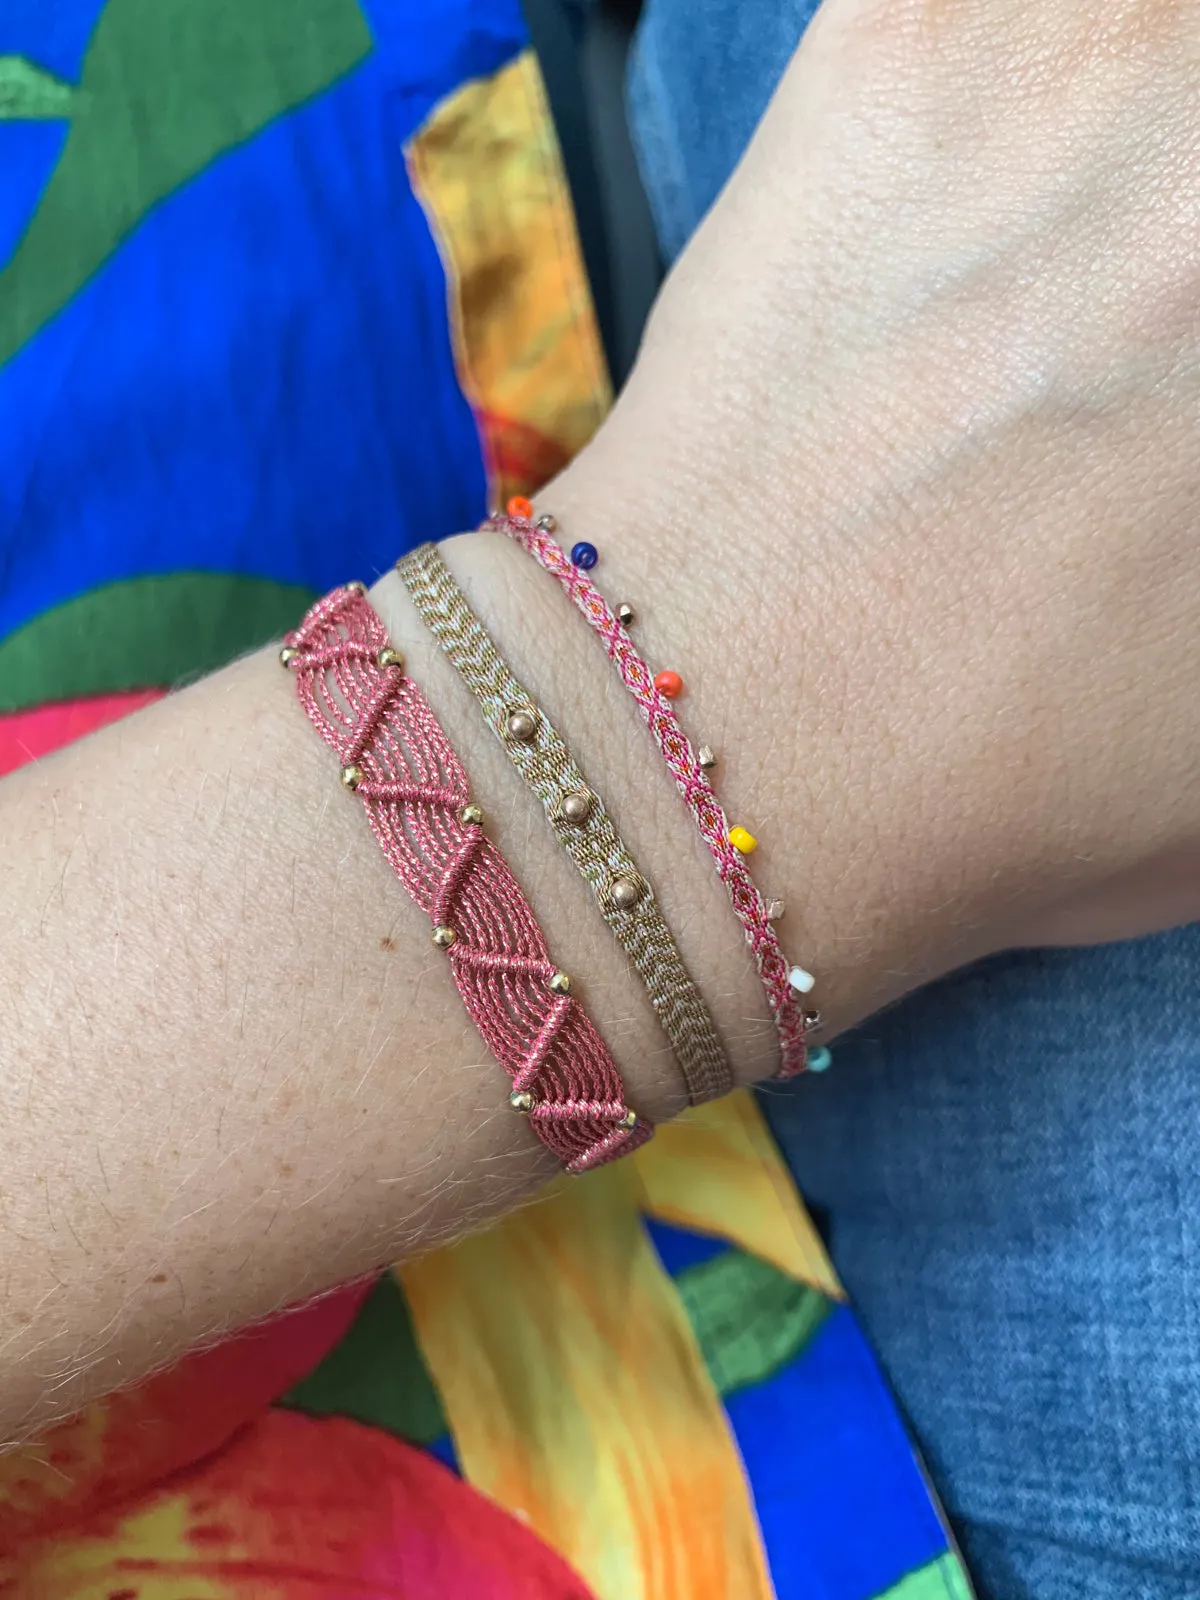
[443, 1448]
[823, 1433]
[679, 1248]
[843, 1512]
[229, 420]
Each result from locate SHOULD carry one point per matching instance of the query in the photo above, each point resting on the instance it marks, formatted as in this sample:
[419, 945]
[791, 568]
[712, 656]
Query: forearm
[234, 1069]
[946, 665]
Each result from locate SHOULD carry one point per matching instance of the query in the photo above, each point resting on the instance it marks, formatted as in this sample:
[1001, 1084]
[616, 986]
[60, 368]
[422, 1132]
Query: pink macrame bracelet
[397, 759]
[687, 769]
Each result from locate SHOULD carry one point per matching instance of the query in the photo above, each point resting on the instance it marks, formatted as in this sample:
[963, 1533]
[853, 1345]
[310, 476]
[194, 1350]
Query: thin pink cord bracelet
[397, 759]
[689, 774]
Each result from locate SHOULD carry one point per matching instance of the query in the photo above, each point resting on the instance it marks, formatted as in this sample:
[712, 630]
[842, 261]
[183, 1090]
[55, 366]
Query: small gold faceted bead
[472, 815]
[352, 776]
[560, 983]
[443, 936]
[626, 615]
[287, 655]
[357, 587]
[742, 839]
[625, 893]
[628, 1121]
[707, 757]
[812, 1021]
[388, 657]
[521, 725]
[775, 909]
[547, 523]
[521, 1100]
[576, 808]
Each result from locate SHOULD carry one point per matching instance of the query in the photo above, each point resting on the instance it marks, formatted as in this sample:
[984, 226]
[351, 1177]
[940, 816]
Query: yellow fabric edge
[718, 1170]
[579, 1399]
[487, 169]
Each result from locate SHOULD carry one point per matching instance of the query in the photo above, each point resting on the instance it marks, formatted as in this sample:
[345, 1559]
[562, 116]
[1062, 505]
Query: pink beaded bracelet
[397, 759]
[782, 983]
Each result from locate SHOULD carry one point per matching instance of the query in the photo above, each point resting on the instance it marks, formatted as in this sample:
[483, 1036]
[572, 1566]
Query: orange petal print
[486, 167]
[131, 1440]
[519, 456]
[298, 1508]
[578, 1393]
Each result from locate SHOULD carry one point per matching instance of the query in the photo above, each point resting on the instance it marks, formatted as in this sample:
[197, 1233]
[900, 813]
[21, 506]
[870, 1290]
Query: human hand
[916, 421]
[903, 486]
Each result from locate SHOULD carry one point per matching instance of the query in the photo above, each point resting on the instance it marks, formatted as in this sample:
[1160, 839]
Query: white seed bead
[801, 980]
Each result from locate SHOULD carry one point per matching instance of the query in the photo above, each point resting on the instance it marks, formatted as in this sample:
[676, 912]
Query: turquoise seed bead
[820, 1059]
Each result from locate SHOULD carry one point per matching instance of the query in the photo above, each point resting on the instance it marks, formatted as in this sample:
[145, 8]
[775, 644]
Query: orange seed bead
[519, 506]
[669, 683]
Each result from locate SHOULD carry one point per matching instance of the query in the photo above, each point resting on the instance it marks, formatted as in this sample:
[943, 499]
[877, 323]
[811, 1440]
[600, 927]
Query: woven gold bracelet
[579, 820]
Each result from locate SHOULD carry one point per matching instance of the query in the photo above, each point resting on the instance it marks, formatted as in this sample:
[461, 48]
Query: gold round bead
[547, 523]
[576, 807]
[352, 776]
[357, 587]
[628, 1121]
[521, 725]
[472, 815]
[443, 936]
[626, 615]
[624, 893]
[560, 983]
[521, 1100]
[388, 657]
[287, 655]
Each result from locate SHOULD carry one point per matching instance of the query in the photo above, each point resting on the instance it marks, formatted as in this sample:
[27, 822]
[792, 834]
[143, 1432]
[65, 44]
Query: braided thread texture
[595, 847]
[690, 777]
[413, 788]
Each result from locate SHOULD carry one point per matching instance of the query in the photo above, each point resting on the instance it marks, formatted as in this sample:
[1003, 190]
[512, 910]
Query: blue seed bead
[820, 1059]
[584, 555]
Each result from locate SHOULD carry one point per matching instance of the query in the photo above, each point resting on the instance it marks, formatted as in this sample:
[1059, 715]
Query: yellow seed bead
[742, 840]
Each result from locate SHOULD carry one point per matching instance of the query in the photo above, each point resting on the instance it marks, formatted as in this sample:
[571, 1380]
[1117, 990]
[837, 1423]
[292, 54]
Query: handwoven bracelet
[579, 819]
[727, 846]
[396, 758]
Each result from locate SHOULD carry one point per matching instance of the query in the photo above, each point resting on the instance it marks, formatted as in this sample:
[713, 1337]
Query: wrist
[601, 974]
[564, 666]
[835, 743]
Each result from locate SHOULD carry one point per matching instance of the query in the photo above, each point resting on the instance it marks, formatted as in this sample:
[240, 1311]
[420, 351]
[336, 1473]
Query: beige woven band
[577, 815]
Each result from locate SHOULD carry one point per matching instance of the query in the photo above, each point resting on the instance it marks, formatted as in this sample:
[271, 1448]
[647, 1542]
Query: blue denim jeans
[1007, 1165]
